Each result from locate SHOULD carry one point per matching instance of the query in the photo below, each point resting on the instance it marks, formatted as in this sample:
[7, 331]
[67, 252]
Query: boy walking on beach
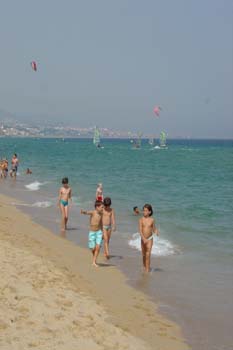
[109, 224]
[146, 230]
[64, 197]
[96, 227]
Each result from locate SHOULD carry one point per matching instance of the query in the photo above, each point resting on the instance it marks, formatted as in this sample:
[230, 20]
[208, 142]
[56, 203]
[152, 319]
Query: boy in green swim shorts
[96, 227]
[64, 199]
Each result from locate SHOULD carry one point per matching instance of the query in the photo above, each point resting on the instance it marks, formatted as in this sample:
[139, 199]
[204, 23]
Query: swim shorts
[14, 168]
[107, 227]
[64, 203]
[95, 237]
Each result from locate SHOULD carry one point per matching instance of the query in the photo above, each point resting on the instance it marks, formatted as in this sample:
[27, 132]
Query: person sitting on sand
[109, 224]
[136, 210]
[96, 230]
[146, 230]
[99, 193]
[63, 201]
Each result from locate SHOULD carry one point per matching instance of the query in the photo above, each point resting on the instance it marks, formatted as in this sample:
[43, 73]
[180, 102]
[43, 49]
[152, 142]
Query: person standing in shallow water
[14, 165]
[146, 230]
[99, 193]
[63, 202]
[109, 224]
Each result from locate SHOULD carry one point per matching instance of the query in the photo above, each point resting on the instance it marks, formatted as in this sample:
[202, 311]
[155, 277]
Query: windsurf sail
[137, 142]
[151, 141]
[96, 138]
[130, 136]
[163, 139]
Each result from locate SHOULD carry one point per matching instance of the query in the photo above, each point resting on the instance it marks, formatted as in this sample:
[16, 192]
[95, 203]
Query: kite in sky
[34, 65]
[157, 110]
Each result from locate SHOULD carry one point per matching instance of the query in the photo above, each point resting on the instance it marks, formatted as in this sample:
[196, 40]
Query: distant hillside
[7, 117]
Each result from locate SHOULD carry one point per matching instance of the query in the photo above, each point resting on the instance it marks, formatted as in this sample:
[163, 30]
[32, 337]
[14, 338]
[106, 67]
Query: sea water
[189, 186]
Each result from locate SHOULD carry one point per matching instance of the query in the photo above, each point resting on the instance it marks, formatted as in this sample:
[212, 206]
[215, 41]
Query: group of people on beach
[103, 222]
[4, 167]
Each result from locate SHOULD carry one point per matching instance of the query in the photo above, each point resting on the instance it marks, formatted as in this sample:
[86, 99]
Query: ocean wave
[45, 204]
[161, 247]
[189, 149]
[35, 186]
[20, 204]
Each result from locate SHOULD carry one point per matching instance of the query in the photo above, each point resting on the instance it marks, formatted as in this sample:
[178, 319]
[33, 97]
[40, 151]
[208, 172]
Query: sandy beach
[52, 298]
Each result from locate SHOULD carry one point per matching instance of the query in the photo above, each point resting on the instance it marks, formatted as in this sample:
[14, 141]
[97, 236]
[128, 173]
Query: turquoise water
[189, 186]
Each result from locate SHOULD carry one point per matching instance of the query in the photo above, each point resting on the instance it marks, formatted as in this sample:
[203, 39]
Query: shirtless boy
[63, 201]
[146, 229]
[109, 224]
[4, 168]
[14, 165]
[96, 227]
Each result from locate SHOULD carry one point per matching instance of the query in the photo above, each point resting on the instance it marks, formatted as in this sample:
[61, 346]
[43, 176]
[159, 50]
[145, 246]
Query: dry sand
[52, 298]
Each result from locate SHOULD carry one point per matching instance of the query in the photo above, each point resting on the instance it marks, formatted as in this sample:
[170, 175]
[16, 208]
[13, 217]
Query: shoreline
[126, 308]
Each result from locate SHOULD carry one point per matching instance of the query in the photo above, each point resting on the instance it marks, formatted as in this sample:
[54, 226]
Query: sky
[109, 63]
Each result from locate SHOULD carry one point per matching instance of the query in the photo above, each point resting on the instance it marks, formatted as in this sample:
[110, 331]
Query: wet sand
[52, 298]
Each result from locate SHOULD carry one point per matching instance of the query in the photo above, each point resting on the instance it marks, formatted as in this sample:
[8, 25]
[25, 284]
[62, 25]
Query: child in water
[63, 202]
[146, 230]
[136, 211]
[96, 227]
[28, 171]
[99, 193]
[14, 166]
[109, 224]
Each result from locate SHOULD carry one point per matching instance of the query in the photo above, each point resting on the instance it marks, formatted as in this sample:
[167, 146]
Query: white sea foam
[190, 149]
[35, 186]
[45, 204]
[21, 204]
[161, 247]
